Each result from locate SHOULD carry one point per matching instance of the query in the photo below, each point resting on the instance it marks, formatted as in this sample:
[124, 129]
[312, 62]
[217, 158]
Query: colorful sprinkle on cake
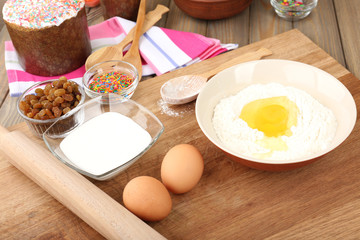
[40, 13]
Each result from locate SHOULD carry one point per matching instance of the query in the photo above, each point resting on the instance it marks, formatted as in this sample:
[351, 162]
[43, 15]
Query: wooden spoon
[185, 89]
[133, 55]
[116, 52]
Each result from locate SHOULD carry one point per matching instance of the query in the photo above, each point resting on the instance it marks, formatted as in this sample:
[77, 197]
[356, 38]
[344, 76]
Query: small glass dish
[38, 127]
[93, 109]
[293, 10]
[112, 76]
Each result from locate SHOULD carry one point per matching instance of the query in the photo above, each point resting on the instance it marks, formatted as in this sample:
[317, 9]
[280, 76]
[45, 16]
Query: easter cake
[50, 37]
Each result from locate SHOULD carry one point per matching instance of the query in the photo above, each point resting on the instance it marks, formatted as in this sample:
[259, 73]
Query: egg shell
[147, 198]
[182, 168]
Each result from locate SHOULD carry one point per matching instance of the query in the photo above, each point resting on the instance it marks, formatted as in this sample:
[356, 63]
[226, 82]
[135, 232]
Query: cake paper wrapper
[162, 50]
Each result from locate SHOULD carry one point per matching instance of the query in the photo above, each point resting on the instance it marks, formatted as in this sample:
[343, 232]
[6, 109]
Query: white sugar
[105, 142]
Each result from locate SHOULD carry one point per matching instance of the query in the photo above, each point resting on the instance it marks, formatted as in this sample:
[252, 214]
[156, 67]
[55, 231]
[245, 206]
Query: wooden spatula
[133, 55]
[116, 52]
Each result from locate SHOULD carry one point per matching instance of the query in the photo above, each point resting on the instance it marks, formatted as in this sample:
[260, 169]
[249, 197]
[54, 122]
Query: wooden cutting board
[231, 201]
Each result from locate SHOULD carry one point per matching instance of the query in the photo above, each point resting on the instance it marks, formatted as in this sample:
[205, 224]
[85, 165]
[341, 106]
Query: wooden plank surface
[231, 201]
[347, 12]
[332, 26]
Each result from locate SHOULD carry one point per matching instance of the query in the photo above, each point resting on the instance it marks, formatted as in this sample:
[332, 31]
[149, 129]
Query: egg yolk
[272, 116]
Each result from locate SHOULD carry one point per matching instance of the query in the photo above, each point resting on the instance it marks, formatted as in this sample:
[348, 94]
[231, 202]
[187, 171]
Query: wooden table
[333, 26]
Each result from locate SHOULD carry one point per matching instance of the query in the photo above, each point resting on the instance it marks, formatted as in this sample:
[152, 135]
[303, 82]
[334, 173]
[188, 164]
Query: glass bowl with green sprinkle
[114, 76]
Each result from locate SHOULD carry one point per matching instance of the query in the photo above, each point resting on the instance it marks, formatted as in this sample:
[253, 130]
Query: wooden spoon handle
[138, 28]
[151, 18]
[74, 191]
[250, 56]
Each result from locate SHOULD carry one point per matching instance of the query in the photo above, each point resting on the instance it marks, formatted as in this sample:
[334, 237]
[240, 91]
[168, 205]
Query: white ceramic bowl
[316, 82]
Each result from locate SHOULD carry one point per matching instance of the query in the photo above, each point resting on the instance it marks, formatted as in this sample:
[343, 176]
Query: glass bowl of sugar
[114, 134]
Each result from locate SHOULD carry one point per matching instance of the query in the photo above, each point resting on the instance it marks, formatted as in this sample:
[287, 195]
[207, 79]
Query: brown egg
[182, 168]
[147, 198]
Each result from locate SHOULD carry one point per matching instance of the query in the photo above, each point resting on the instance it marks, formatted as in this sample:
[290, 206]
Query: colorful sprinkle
[292, 3]
[40, 13]
[293, 8]
[112, 82]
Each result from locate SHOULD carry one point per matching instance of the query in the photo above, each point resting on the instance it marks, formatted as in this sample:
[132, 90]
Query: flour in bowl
[292, 123]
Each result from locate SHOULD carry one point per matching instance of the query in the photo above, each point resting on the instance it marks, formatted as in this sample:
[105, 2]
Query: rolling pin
[73, 190]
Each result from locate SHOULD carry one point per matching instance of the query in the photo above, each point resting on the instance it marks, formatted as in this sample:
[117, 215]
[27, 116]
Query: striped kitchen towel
[162, 50]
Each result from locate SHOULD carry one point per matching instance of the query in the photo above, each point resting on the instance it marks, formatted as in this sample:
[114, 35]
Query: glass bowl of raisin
[45, 102]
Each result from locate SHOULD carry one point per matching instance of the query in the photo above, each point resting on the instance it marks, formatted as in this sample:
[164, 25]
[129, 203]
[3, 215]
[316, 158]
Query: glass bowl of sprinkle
[293, 10]
[111, 77]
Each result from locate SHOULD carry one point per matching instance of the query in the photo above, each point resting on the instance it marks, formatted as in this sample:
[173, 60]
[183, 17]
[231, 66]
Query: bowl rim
[220, 145]
[37, 121]
[124, 90]
[109, 174]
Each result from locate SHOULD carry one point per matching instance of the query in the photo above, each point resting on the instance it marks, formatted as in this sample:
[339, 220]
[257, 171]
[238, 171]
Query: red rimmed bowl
[212, 9]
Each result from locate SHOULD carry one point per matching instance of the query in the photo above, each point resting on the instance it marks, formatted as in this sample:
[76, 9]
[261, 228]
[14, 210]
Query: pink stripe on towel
[21, 76]
[191, 43]
[106, 29]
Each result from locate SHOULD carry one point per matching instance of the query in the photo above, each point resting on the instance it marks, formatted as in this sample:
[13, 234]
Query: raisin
[55, 104]
[68, 97]
[59, 92]
[61, 83]
[52, 90]
[41, 113]
[37, 105]
[39, 92]
[35, 111]
[48, 112]
[45, 117]
[55, 83]
[47, 89]
[34, 101]
[48, 105]
[51, 97]
[66, 84]
[24, 106]
[43, 98]
[66, 110]
[30, 97]
[69, 89]
[63, 78]
[59, 100]
[30, 115]
[57, 112]
[65, 104]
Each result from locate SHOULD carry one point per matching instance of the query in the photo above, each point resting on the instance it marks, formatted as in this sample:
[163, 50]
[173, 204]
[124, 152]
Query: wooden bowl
[212, 9]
